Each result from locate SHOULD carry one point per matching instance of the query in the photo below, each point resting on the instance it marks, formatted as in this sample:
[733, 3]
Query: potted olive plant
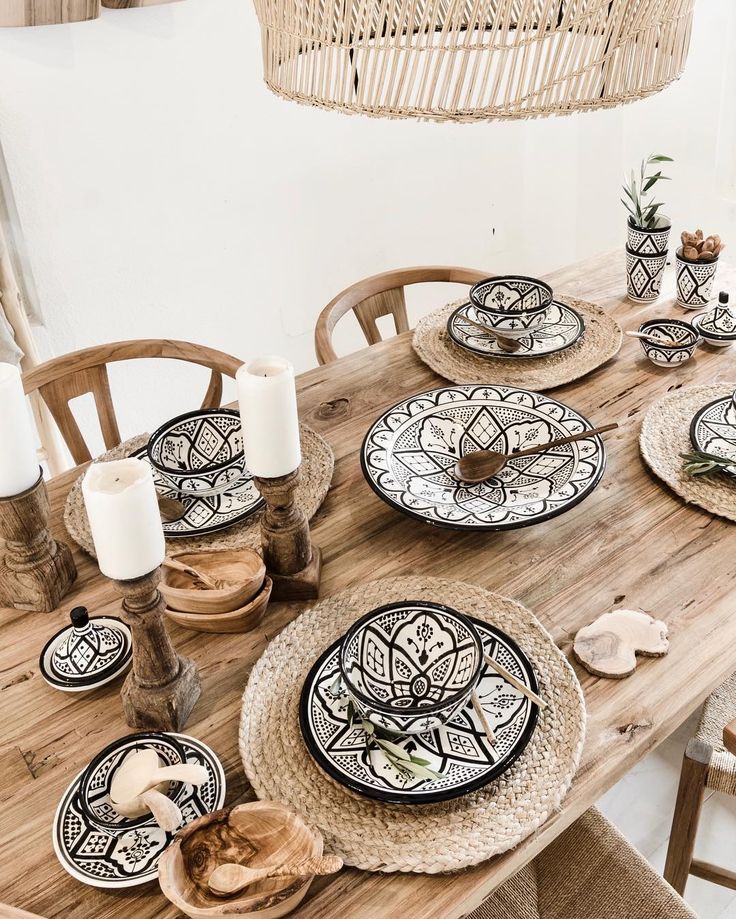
[697, 261]
[648, 230]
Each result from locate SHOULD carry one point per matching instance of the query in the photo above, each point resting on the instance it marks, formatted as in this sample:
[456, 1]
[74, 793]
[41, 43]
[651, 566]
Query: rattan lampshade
[468, 60]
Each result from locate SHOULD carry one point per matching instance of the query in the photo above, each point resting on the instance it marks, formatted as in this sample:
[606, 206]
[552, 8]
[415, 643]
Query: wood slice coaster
[599, 343]
[317, 467]
[609, 645]
[429, 838]
[665, 434]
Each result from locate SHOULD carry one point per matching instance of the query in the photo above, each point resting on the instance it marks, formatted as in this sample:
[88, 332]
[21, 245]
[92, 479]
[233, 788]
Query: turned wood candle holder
[36, 571]
[162, 687]
[292, 562]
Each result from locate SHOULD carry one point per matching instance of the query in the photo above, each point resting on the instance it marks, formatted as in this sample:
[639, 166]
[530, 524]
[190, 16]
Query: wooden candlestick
[293, 563]
[35, 570]
[162, 687]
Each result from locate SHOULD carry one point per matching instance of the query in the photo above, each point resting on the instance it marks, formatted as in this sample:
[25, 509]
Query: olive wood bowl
[237, 620]
[242, 570]
[259, 834]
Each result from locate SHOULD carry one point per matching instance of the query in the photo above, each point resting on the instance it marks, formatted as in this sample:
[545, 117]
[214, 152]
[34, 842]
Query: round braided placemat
[318, 463]
[420, 837]
[599, 343]
[665, 434]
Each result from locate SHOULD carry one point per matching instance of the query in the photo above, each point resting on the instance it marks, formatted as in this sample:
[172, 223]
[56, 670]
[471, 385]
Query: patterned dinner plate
[563, 327]
[100, 859]
[409, 453]
[206, 513]
[459, 750]
[713, 430]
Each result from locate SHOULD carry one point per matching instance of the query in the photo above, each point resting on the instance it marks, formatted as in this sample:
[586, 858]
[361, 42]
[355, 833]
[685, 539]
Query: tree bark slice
[609, 645]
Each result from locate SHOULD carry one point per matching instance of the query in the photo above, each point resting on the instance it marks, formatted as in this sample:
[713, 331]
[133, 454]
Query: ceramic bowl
[257, 834]
[243, 619]
[242, 572]
[409, 667]
[666, 355]
[511, 305]
[200, 452]
[94, 786]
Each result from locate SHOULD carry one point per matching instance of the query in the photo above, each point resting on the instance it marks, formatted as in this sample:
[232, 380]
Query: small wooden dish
[242, 569]
[237, 620]
[257, 834]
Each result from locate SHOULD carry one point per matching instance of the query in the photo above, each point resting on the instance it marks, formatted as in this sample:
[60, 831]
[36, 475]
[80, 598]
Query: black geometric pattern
[694, 282]
[459, 750]
[100, 859]
[676, 329]
[81, 659]
[563, 326]
[403, 662]
[713, 430]
[511, 294]
[409, 453]
[644, 275]
[648, 242]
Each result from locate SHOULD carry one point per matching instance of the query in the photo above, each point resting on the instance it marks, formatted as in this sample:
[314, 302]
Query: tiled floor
[641, 806]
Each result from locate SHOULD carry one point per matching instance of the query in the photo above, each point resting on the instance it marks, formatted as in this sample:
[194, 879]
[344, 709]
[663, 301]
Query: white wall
[165, 192]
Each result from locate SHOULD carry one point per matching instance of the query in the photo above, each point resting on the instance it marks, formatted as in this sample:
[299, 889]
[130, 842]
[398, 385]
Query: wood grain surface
[632, 542]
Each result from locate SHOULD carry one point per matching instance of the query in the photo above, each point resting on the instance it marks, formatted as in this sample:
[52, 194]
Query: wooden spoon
[656, 339]
[165, 812]
[484, 464]
[231, 878]
[206, 579]
[170, 508]
[482, 717]
[505, 344]
[142, 770]
[517, 684]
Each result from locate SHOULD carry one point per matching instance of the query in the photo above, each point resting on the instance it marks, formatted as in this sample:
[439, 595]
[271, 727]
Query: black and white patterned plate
[713, 430]
[206, 513]
[409, 453]
[459, 750]
[102, 860]
[563, 327]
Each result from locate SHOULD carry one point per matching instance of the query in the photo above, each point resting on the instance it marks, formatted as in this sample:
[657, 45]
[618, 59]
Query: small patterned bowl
[409, 667]
[511, 305]
[200, 452]
[94, 787]
[667, 355]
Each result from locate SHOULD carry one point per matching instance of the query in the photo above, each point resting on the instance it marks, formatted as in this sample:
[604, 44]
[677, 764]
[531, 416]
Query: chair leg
[689, 803]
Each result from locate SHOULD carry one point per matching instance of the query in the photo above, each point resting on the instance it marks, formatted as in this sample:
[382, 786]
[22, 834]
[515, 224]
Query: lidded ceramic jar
[717, 326]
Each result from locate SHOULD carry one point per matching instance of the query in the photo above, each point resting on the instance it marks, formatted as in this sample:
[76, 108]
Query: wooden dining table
[632, 543]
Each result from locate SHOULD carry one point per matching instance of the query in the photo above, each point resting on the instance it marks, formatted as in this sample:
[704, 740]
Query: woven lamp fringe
[470, 60]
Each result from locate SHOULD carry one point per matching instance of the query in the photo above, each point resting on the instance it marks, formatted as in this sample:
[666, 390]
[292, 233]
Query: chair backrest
[64, 378]
[381, 295]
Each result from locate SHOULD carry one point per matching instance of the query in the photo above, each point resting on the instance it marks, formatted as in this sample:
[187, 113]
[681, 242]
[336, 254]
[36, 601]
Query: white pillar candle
[268, 414]
[19, 467]
[124, 518]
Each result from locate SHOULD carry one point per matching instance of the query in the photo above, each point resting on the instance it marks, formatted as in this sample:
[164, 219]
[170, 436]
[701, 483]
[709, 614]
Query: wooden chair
[81, 372]
[708, 763]
[589, 872]
[381, 295]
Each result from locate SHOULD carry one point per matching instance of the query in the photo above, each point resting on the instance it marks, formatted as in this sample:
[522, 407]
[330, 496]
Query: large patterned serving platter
[459, 750]
[562, 328]
[409, 453]
[100, 859]
[206, 513]
[713, 430]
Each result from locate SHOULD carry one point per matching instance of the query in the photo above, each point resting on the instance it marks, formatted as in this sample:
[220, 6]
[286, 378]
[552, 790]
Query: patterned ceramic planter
[644, 276]
[694, 282]
[648, 242]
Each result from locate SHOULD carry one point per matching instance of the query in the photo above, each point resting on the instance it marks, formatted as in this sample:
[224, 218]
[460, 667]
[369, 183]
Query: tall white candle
[19, 468]
[267, 396]
[124, 518]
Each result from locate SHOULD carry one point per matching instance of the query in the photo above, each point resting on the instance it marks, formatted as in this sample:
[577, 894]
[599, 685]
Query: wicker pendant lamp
[468, 60]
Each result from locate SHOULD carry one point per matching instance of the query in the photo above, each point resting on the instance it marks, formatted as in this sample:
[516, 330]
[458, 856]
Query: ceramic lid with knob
[718, 322]
[86, 654]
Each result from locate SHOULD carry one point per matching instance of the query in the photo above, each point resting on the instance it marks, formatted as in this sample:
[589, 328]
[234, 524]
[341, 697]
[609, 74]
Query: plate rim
[512, 355]
[487, 527]
[694, 421]
[151, 875]
[398, 797]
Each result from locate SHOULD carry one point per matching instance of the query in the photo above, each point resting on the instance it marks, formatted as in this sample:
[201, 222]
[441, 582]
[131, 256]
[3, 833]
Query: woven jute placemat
[420, 837]
[318, 463]
[665, 434]
[599, 343]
